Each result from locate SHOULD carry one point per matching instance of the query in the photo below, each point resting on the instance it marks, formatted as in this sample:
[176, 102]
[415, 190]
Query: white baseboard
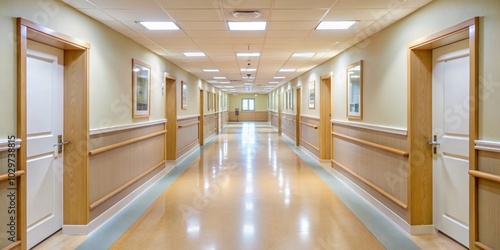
[400, 222]
[309, 153]
[288, 138]
[111, 212]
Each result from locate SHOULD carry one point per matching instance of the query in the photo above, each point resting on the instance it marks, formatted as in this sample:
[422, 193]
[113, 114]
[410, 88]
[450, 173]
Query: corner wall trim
[490, 146]
[4, 144]
[390, 130]
[108, 214]
[97, 131]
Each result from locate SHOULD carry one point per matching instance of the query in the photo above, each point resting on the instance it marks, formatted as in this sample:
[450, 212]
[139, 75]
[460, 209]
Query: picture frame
[354, 76]
[285, 100]
[311, 94]
[141, 89]
[183, 95]
[290, 99]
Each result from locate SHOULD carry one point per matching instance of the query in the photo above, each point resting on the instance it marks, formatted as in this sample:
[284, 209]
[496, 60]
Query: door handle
[60, 144]
[433, 143]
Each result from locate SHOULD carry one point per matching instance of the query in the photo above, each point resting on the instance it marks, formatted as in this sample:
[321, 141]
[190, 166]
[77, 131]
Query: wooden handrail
[486, 176]
[310, 145]
[373, 145]
[14, 245]
[5, 177]
[124, 143]
[310, 125]
[482, 246]
[189, 145]
[188, 124]
[370, 184]
[126, 185]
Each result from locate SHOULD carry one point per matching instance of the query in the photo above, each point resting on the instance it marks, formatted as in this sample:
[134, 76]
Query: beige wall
[235, 102]
[385, 65]
[111, 56]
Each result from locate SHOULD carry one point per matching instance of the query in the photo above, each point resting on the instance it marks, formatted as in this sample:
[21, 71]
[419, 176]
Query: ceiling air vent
[247, 14]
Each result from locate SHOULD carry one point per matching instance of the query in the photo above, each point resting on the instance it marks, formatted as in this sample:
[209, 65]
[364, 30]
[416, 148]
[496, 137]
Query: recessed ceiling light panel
[287, 70]
[248, 54]
[335, 25]
[303, 54]
[194, 54]
[160, 25]
[210, 70]
[247, 25]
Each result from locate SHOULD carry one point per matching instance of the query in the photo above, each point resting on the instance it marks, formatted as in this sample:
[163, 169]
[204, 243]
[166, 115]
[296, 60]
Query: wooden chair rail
[309, 144]
[482, 246]
[188, 124]
[108, 196]
[14, 245]
[125, 143]
[187, 146]
[310, 125]
[373, 145]
[486, 176]
[5, 177]
[375, 187]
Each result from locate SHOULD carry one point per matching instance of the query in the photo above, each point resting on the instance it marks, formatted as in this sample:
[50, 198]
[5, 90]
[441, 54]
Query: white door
[44, 98]
[450, 98]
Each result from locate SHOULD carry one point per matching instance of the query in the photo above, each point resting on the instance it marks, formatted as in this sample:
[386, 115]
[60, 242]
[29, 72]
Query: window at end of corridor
[248, 104]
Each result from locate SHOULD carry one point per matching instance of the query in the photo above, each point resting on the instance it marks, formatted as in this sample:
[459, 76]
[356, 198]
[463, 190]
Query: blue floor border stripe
[107, 234]
[379, 225]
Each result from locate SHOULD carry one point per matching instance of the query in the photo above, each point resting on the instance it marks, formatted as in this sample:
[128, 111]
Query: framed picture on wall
[312, 94]
[141, 89]
[183, 95]
[290, 99]
[355, 91]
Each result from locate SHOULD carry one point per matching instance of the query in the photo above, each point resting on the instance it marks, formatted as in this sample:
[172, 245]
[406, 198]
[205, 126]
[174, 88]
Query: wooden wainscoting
[487, 192]
[375, 159]
[274, 119]
[121, 160]
[309, 133]
[288, 123]
[210, 125]
[249, 116]
[224, 119]
[187, 134]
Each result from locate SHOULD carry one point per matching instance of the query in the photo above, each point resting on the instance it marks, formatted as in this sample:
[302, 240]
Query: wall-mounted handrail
[124, 143]
[188, 124]
[310, 125]
[372, 144]
[124, 186]
[18, 173]
[310, 144]
[188, 146]
[370, 184]
[486, 176]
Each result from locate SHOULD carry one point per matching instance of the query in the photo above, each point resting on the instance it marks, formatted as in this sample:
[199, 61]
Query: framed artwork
[355, 91]
[141, 89]
[290, 99]
[183, 95]
[285, 100]
[312, 94]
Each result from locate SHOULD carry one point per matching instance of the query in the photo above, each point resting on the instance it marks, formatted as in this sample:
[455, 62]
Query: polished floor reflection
[248, 190]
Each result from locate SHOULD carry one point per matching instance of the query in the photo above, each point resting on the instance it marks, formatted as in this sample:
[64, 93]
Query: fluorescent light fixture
[193, 54]
[224, 82]
[248, 54]
[247, 25]
[248, 77]
[287, 70]
[279, 77]
[248, 70]
[274, 82]
[160, 25]
[269, 86]
[210, 70]
[248, 84]
[219, 77]
[229, 87]
[303, 54]
[335, 25]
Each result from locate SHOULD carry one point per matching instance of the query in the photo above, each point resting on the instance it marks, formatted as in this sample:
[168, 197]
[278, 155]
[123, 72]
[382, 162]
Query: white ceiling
[290, 28]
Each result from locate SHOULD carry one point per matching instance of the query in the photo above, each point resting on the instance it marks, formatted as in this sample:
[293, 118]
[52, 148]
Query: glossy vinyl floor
[248, 189]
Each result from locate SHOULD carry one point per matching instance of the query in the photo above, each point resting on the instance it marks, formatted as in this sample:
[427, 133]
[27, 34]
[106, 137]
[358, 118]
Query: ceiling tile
[297, 15]
[364, 4]
[126, 5]
[205, 26]
[196, 15]
[245, 5]
[355, 14]
[188, 4]
[79, 4]
[301, 4]
[97, 14]
[139, 15]
[291, 25]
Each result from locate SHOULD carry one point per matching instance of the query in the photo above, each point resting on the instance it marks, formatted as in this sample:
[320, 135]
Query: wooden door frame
[201, 129]
[297, 116]
[171, 116]
[76, 122]
[325, 109]
[420, 120]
